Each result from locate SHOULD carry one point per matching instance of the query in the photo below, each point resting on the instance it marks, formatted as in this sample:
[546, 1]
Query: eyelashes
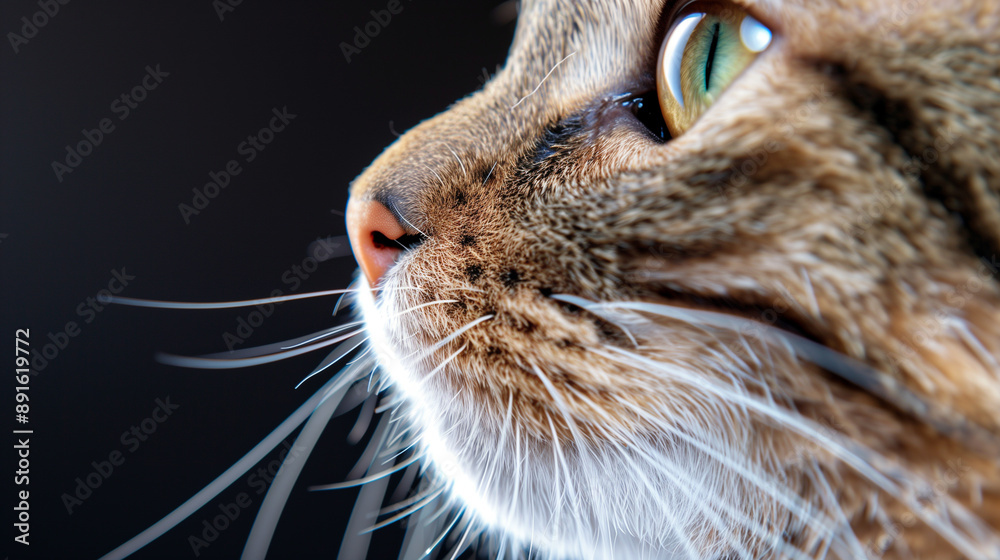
[706, 48]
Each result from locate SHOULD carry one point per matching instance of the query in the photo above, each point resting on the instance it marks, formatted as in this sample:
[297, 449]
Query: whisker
[459, 548]
[945, 420]
[160, 304]
[502, 549]
[857, 550]
[400, 436]
[421, 354]
[518, 464]
[421, 306]
[340, 300]
[413, 499]
[457, 334]
[313, 338]
[409, 511]
[441, 366]
[447, 507]
[355, 545]
[278, 492]
[487, 482]
[390, 404]
[440, 180]
[682, 484]
[405, 485]
[795, 505]
[839, 448]
[364, 353]
[367, 479]
[459, 515]
[372, 378]
[375, 445]
[364, 420]
[217, 363]
[239, 468]
[488, 175]
[543, 81]
[391, 454]
[688, 546]
[459, 160]
[267, 349]
[570, 423]
[333, 357]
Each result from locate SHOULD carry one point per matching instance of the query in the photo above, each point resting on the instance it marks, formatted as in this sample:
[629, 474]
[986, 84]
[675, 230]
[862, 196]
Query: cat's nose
[375, 235]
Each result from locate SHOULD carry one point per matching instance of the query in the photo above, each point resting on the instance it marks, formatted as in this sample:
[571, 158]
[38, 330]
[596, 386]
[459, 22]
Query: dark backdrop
[64, 235]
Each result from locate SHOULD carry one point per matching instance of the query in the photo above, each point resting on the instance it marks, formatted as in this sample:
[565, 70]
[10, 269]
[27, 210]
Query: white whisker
[882, 385]
[413, 499]
[314, 338]
[458, 159]
[459, 515]
[422, 503]
[333, 357]
[281, 486]
[839, 448]
[217, 363]
[683, 484]
[458, 548]
[160, 304]
[367, 479]
[441, 366]
[239, 468]
[543, 80]
[490, 174]
[364, 420]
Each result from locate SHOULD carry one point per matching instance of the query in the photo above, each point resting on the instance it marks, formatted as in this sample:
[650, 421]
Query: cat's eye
[708, 45]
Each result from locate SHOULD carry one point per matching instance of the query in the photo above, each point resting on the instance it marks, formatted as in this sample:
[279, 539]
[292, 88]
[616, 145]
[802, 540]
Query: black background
[119, 208]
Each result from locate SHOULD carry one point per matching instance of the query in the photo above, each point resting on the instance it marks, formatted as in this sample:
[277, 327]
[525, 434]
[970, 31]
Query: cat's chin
[593, 498]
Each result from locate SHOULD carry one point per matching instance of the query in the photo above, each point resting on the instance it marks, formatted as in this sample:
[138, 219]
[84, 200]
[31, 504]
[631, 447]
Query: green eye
[706, 48]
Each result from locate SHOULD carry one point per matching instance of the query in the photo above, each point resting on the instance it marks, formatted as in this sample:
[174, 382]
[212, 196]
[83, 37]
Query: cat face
[766, 327]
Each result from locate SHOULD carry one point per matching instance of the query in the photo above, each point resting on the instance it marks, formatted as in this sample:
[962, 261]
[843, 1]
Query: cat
[693, 279]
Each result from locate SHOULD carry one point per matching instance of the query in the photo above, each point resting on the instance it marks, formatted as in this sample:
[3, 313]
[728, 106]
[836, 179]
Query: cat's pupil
[711, 55]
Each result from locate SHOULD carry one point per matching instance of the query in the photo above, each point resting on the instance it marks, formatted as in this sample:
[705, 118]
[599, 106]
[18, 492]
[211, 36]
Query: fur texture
[592, 339]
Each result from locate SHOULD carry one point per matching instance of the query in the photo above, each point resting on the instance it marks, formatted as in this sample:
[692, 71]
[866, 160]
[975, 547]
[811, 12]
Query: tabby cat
[701, 280]
[707, 280]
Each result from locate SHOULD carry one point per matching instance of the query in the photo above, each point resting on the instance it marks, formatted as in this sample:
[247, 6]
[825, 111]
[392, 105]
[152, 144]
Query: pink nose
[372, 229]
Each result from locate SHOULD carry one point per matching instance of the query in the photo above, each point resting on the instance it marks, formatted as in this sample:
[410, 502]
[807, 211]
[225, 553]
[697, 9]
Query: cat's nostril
[377, 237]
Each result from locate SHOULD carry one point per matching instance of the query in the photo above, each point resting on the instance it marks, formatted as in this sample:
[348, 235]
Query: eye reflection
[704, 51]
